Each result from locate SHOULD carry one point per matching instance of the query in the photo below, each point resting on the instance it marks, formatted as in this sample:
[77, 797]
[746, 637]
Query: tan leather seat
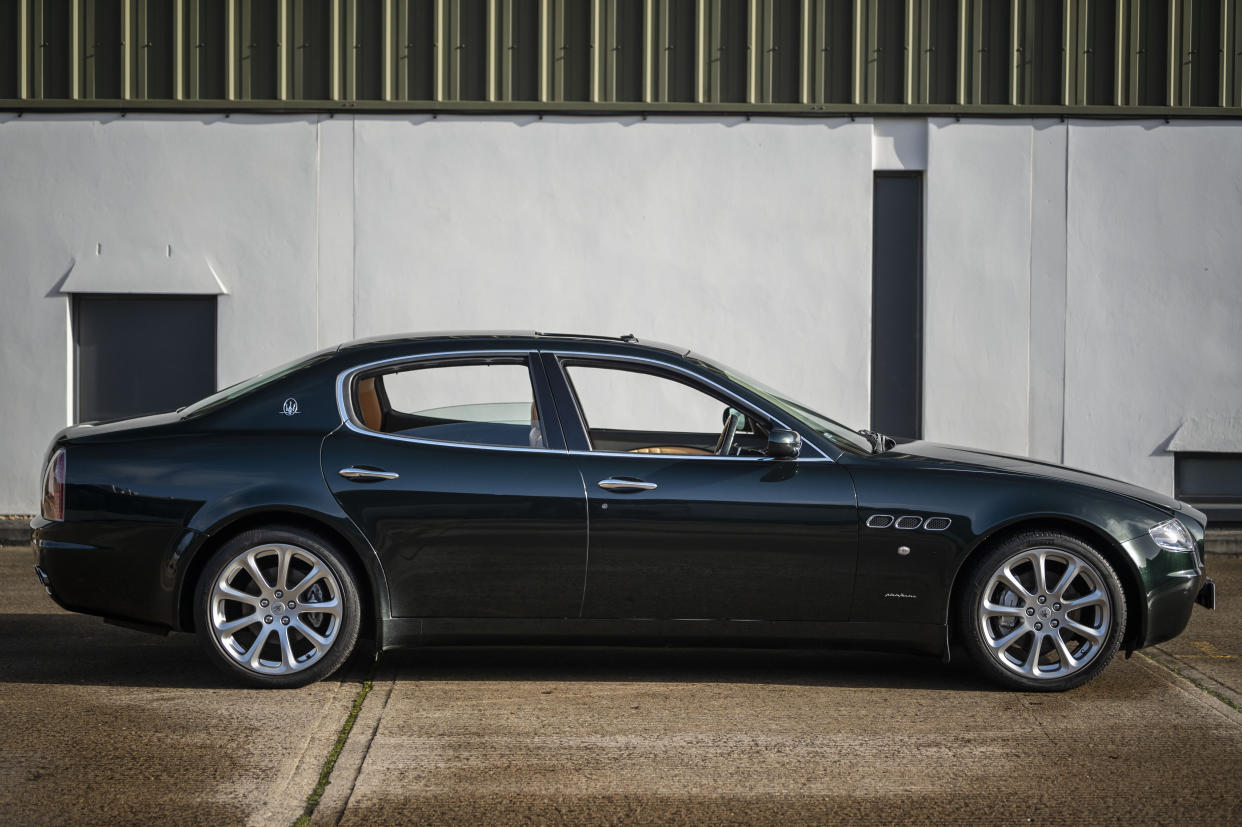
[671, 449]
[369, 404]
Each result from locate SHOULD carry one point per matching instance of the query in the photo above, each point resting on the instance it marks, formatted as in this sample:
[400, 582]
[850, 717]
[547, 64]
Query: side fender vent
[879, 521]
[937, 523]
[909, 522]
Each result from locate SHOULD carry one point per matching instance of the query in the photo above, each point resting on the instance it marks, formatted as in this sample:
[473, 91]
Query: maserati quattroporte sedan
[534, 488]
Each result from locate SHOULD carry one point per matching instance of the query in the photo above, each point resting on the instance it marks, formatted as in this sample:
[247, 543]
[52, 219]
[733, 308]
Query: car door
[677, 532]
[456, 472]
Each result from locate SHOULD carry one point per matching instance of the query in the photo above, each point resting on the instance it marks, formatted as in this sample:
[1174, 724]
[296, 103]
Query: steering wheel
[724, 445]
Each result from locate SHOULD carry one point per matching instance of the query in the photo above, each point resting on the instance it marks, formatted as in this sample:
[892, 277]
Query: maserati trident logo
[290, 407]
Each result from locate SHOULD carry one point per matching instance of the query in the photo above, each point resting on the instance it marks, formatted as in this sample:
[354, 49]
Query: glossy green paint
[473, 543]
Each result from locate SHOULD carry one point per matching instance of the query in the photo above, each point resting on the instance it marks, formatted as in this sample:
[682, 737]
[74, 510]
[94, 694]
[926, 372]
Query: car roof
[522, 338]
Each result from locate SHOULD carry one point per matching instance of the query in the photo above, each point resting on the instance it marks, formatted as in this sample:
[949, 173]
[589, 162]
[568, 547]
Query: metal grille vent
[909, 522]
[937, 523]
[879, 521]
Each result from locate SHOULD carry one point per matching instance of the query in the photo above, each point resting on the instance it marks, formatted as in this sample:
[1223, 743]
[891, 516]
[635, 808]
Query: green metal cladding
[986, 57]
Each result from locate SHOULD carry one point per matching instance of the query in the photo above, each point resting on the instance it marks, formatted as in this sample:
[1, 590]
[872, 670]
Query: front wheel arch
[1107, 546]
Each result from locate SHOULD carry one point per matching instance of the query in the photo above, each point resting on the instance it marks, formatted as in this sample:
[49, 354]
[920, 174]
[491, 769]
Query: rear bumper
[114, 581]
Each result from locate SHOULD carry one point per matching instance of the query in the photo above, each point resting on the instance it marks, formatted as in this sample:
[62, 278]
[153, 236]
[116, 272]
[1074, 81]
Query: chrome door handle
[626, 485]
[366, 474]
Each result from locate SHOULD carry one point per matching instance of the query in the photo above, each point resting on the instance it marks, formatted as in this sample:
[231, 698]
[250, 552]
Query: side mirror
[783, 444]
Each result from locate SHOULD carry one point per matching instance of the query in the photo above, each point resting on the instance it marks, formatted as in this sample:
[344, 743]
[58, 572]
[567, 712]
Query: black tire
[1032, 660]
[289, 658]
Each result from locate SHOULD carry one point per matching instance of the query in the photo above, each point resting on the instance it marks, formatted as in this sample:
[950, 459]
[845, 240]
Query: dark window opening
[897, 305]
[137, 355]
[471, 49]
[524, 51]
[1211, 483]
[1153, 56]
[942, 52]
[787, 51]
[575, 52]
[888, 62]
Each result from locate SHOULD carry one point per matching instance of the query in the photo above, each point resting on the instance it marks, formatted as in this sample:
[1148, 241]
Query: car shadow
[789, 667]
[63, 648]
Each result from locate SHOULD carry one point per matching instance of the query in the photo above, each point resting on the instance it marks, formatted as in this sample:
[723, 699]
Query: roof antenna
[629, 337]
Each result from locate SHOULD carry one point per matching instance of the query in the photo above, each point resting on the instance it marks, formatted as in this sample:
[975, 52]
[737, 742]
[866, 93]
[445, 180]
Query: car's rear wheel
[277, 607]
[1042, 611]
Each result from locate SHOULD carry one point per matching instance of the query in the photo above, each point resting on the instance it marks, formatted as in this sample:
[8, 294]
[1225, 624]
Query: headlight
[1171, 535]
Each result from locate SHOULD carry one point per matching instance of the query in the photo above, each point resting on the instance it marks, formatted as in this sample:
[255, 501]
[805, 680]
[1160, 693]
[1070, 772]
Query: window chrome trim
[345, 411]
[343, 404]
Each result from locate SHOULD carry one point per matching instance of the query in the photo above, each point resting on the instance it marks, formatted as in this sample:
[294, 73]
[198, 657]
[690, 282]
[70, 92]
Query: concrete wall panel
[977, 284]
[1154, 310]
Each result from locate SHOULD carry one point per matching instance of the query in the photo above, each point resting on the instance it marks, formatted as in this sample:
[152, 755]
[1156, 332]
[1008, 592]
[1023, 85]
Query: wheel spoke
[1039, 561]
[1001, 644]
[282, 570]
[286, 648]
[1014, 584]
[224, 591]
[1068, 661]
[314, 574]
[315, 639]
[329, 607]
[1096, 598]
[252, 654]
[1031, 666]
[1093, 635]
[997, 610]
[228, 627]
[1064, 583]
[252, 568]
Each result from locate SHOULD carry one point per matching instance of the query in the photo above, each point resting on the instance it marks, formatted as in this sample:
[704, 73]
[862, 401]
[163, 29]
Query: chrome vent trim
[879, 521]
[909, 522]
[937, 523]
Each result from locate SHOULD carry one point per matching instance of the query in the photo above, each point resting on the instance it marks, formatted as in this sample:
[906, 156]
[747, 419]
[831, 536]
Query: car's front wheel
[1042, 611]
[277, 607]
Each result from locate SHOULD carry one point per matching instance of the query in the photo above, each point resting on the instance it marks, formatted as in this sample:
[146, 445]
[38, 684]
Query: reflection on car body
[519, 488]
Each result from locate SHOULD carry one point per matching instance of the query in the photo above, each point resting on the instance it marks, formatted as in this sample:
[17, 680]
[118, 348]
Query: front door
[681, 528]
[463, 488]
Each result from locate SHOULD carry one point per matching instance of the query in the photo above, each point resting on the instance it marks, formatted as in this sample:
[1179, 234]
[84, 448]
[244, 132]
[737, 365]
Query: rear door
[455, 470]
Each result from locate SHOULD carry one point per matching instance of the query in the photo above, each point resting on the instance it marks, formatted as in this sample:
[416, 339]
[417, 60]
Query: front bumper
[1174, 582]
[1207, 594]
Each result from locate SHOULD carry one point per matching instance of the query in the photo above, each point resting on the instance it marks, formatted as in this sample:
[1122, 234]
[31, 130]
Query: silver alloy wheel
[275, 609]
[1045, 613]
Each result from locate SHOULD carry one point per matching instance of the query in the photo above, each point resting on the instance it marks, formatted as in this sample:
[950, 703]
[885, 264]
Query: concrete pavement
[106, 725]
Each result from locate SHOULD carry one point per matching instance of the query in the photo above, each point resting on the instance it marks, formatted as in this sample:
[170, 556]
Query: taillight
[54, 487]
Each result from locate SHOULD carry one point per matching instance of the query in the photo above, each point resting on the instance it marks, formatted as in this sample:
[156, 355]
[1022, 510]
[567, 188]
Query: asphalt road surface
[100, 724]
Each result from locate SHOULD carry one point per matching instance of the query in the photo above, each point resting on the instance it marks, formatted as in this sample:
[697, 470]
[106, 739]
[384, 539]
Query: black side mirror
[783, 444]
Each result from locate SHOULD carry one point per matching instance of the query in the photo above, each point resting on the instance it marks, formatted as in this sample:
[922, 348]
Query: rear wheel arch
[370, 583]
[1100, 540]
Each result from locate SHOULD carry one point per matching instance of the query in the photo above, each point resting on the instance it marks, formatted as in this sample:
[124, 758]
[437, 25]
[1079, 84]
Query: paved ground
[100, 724]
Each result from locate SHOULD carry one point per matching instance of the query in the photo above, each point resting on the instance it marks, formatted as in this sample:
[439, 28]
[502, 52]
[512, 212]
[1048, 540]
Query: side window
[626, 410]
[482, 404]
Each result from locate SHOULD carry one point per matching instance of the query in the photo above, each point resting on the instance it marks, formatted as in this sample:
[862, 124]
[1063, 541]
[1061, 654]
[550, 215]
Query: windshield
[245, 386]
[830, 429]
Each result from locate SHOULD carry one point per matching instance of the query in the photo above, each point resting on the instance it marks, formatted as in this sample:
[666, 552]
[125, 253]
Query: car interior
[518, 424]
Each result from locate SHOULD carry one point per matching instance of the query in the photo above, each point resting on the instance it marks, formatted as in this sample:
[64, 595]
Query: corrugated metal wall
[691, 55]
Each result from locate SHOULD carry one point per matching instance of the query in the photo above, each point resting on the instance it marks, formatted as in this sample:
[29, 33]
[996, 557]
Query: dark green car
[535, 488]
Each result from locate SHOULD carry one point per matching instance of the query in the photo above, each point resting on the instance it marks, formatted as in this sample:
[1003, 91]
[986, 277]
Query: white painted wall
[1083, 296]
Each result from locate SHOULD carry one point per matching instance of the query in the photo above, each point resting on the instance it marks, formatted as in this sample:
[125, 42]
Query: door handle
[611, 484]
[363, 474]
